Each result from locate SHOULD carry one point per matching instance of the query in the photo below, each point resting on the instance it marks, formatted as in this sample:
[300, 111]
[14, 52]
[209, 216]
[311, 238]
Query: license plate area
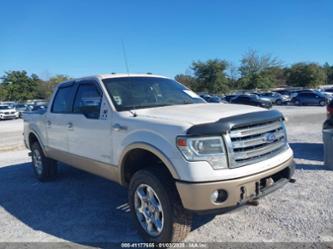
[249, 190]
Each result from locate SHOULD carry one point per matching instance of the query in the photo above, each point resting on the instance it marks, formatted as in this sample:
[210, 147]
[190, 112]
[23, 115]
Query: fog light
[214, 196]
[219, 196]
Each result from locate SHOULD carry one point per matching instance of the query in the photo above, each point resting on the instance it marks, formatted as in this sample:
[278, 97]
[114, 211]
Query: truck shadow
[309, 151]
[77, 207]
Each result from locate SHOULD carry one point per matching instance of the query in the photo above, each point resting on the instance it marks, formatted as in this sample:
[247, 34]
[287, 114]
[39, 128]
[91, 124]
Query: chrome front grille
[255, 143]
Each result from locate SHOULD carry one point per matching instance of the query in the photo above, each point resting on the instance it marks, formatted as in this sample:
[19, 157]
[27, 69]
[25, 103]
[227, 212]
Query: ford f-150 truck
[174, 152]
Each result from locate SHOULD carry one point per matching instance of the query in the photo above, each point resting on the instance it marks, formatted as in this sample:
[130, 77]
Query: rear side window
[88, 101]
[63, 100]
[309, 95]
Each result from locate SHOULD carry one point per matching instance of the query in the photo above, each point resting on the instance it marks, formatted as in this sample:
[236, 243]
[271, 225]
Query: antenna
[125, 56]
[127, 69]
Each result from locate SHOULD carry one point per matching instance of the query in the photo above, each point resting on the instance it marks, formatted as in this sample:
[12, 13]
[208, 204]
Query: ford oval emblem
[270, 138]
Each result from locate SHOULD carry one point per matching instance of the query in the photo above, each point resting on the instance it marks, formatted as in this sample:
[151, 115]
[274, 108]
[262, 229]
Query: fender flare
[39, 140]
[152, 149]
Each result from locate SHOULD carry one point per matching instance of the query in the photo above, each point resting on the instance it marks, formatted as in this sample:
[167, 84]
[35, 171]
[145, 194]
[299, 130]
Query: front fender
[153, 143]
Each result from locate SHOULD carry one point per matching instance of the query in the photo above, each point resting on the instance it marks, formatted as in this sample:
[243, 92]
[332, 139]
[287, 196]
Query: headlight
[210, 149]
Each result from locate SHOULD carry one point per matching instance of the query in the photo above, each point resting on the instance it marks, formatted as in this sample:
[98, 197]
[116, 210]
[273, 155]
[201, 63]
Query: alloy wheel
[37, 161]
[148, 209]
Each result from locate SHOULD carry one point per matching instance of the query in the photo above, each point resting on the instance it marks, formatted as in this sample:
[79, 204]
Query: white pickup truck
[174, 152]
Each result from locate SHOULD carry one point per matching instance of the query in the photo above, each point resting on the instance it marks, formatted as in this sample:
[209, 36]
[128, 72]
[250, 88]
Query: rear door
[247, 100]
[89, 130]
[57, 117]
[311, 98]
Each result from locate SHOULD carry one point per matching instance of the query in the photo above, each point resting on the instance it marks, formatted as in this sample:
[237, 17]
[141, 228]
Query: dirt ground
[80, 208]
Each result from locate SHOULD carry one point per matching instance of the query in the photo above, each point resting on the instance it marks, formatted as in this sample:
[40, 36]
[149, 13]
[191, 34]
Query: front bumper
[8, 116]
[197, 196]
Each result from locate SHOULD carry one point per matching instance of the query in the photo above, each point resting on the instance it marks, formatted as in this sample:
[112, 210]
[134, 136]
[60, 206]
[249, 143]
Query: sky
[85, 37]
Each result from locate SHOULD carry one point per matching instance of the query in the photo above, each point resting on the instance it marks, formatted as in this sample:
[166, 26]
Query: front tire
[156, 208]
[44, 168]
[322, 103]
[279, 102]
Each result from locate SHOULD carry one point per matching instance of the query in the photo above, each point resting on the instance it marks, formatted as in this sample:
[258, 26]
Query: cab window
[88, 101]
[63, 100]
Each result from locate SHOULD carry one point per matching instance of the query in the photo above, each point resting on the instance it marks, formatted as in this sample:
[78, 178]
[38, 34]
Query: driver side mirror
[91, 108]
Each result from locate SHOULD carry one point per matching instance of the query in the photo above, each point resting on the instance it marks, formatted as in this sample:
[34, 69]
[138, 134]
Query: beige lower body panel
[196, 196]
[102, 169]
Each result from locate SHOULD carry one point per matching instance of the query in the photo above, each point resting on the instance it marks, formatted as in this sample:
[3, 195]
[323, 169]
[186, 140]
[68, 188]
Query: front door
[89, 130]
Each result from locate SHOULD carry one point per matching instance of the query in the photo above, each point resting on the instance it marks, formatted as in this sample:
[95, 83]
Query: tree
[329, 73]
[3, 93]
[258, 71]
[19, 86]
[187, 80]
[210, 76]
[52, 83]
[306, 75]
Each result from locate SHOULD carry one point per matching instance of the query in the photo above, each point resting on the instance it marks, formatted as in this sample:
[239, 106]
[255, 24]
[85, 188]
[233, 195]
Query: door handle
[70, 125]
[118, 127]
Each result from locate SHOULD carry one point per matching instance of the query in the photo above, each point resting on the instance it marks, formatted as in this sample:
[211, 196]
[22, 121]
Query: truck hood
[196, 113]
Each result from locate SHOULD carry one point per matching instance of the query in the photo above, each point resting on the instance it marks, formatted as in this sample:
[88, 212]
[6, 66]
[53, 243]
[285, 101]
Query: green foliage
[213, 76]
[207, 76]
[306, 75]
[3, 93]
[19, 86]
[210, 76]
[260, 72]
[329, 73]
[53, 82]
[187, 80]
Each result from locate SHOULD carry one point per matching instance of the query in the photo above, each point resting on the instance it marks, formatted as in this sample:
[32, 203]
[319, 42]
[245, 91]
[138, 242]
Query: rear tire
[322, 103]
[173, 221]
[279, 102]
[44, 168]
[297, 102]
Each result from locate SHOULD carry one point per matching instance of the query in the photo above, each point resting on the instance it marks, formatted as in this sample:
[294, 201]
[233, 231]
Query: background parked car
[251, 99]
[228, 98]
[309, 98]
[37, 108]
[275, 98]
[8, 112]
[21, 108]
[284, 92]
[211, 99]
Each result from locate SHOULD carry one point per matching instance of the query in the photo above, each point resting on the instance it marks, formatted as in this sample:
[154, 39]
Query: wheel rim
[148, 209]
[37, 161]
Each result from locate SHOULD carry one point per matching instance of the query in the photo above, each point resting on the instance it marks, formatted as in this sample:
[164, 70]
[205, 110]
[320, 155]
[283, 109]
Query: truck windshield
[129, 93]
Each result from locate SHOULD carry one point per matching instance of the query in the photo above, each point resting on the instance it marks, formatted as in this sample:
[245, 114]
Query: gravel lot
[82, 208]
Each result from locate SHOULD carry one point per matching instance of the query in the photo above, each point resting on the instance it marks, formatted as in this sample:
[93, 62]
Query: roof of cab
[121, 75]
[108, 76]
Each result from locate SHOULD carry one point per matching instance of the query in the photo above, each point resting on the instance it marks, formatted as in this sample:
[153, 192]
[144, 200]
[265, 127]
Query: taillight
[330, 109]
